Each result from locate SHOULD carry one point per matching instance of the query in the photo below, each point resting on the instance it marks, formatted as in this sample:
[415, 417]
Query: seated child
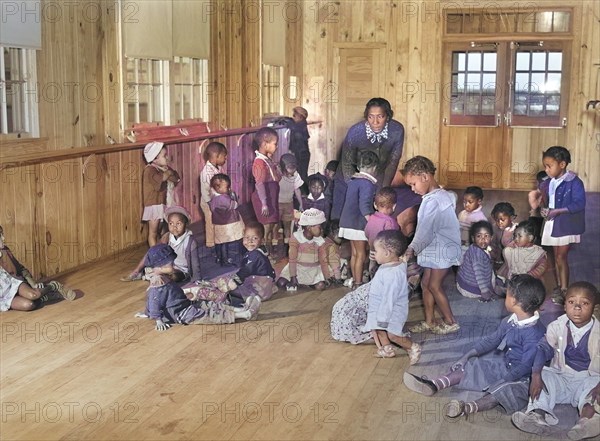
[388, 298]
[316, 198]
[51, 290]
[504, 216]
[166, 302]
[523, 256]
[331, 250]
[289, 186]
[504, 374]
[18, 295]
[307, 264]
[472, 198]
[227, 222]
[186, 266]
[385, 203]
[572, 346]
[475, 278]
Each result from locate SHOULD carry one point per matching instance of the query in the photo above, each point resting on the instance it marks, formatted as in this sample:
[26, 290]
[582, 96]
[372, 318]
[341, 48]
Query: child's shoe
[414, 353]
[455, 408]
[530, 422]
[252, 306]
[65, 293]
[349, 282]
[420, 385]
[443, 328]
[386, 351]
[420, 327]
[585, 428]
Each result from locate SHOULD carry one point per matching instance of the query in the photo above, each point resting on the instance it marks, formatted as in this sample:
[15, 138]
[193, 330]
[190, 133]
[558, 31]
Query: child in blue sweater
[505, 375]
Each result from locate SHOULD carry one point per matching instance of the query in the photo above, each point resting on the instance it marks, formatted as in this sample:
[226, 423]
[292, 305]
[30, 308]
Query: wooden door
[358, 77]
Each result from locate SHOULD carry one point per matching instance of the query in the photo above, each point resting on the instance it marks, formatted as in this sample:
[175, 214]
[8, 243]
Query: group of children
[503, 263]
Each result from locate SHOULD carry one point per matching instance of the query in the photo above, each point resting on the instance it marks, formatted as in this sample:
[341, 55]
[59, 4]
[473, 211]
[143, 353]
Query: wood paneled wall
[412, 32]
[59, 215]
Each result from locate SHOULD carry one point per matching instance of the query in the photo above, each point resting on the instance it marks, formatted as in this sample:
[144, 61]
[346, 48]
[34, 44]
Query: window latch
[564, 122]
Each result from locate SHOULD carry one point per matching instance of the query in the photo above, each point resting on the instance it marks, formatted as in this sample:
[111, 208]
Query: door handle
[498, 119]
[508, 119]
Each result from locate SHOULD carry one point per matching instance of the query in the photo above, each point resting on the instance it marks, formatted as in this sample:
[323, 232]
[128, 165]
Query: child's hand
[551, 214]
[161, 326]
[265, 211]
[536, 386]
[409, 254]
[594, 394]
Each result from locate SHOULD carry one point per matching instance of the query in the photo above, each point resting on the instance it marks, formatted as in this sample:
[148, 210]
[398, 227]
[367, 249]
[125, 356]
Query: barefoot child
[227, 222]
[215, 156]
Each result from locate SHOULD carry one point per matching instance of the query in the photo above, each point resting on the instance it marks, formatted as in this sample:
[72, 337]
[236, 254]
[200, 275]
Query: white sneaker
[349, 282]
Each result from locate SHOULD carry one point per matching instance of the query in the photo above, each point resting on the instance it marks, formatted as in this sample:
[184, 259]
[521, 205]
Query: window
[272, 89]
[147, 94]
[190, 78]
[18, 97]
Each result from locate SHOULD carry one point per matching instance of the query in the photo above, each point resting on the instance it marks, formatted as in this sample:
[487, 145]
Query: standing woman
[378, 133]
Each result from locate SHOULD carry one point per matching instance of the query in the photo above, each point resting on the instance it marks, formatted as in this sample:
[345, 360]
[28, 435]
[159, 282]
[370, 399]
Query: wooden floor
[89, 370]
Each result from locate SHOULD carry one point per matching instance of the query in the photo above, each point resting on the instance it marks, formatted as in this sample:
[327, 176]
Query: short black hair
[214, 148]
[379, 102]
[386, 197]
[393, 241]
[590, 290]
[527, 227]
[559, 153]
[220, 177]
[368, 159]
[475, 191]
[504, 208]
[528, 291]
[256, 226]
[265, 134]
[480, 225]
[541, 176]
[418, 165]
[317, 177]
[332, 165]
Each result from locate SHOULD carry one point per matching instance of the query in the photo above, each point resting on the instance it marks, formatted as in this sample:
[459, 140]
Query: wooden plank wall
[412, 32]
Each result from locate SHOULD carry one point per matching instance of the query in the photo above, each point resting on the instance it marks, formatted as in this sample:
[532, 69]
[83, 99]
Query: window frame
[132, 93]
[272, 91]
[27, 104]
[199, 108]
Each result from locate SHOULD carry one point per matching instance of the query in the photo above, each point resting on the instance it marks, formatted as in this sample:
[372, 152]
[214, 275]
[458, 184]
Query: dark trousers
[229, 253]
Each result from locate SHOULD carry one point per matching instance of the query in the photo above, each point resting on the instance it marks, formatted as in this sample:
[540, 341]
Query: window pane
[561, 21]
[538, 82]
[554, 60]
[522, 60]
[538, 61]
[474, 61]
[536, 105]
[458, 105]
[473, 82]
[553, 82]
[489, 61]
[488, 104]
[520, 104]
[489, 83]
[553, 105]
[522, 82]
[461, 82]
[462, 57]
[473, 105]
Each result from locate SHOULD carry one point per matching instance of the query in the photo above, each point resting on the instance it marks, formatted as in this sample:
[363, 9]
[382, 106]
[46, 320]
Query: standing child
[227, 222]
[166, 302]
[385, 203]
[328, 174]
[475, 278]
[388, 298]
[436, 243]
[307, 264]
[358, 208]
[289, 186]
[535, 199]
[316, 197]
[215, 156]
[504, 373]
[504, 216]
[523, 256]
[265, 200]
[186, 266]
[299, 141]
[472, 198]
[563, 199]
[572, 345]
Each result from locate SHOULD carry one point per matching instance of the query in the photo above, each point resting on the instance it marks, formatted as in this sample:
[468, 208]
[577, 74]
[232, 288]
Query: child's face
[329, 173]
[579, 306]
[522, 239]
[220, 159]
[382, 255]
[221, 186]
[316, 189]
[312, 231]
[503, 220]
[510, 302]
[553, 168]
[269, 147]
[290, 170]
[471, 203]
[419, 184]
[177, 224]
[252, 239]
[162, 158]
[482, 238]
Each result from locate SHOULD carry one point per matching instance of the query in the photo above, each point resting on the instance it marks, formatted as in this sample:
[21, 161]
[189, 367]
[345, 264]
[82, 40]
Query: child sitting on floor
[227, 222]
[504, 216]
[51, 290]
[166, 302]
[504, 375]
[472, 198]
[388, 298]
[475, 278]
[572, 345]
[186, 266]
[307, 264]
[523, 256]
[316, 198]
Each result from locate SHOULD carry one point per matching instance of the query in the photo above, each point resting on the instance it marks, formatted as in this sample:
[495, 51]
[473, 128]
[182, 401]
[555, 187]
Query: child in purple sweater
[385, 203]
